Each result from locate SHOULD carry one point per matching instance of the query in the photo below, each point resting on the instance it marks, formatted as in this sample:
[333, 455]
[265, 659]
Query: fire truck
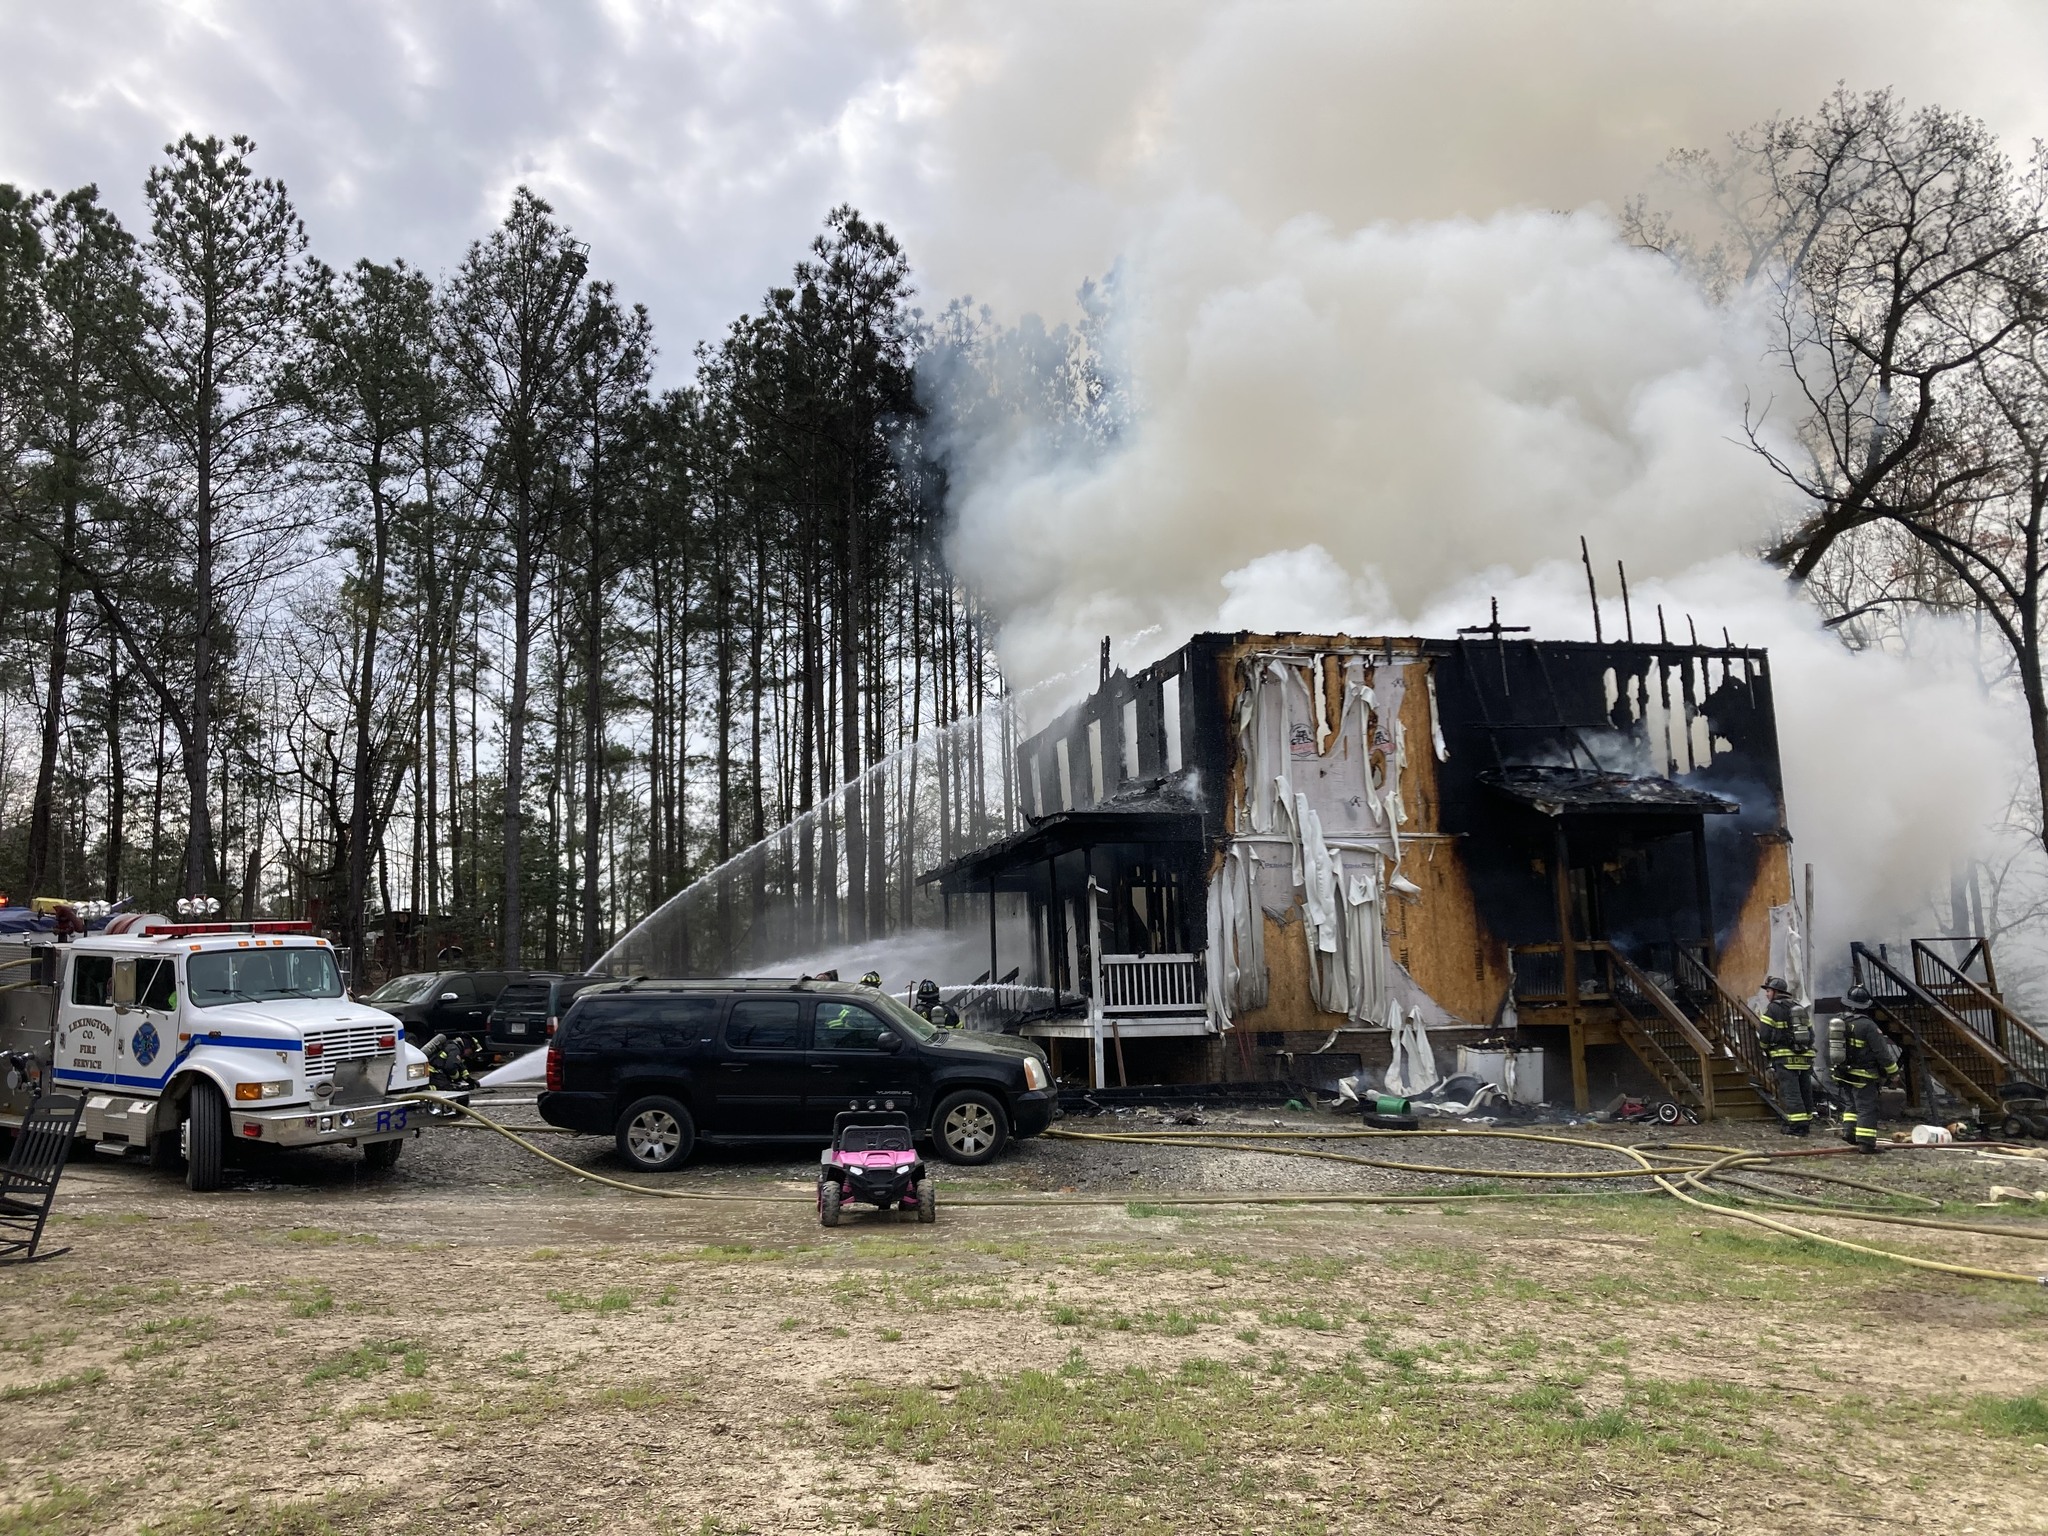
[187, 1037]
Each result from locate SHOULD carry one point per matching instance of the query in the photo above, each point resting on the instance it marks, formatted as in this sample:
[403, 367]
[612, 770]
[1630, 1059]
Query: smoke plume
[1386, 355]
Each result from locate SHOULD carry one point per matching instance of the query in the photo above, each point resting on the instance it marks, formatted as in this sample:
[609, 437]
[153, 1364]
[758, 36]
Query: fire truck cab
[186, 1037]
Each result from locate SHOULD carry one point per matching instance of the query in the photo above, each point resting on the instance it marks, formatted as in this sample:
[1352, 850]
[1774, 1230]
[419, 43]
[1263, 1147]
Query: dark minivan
[659, 1065]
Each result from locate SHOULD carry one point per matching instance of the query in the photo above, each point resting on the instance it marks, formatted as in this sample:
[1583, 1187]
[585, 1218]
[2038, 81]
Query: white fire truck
[187, 1036]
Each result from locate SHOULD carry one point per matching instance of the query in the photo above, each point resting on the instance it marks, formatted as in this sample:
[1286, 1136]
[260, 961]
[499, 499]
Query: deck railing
[1139, 986]
[1982, 1009]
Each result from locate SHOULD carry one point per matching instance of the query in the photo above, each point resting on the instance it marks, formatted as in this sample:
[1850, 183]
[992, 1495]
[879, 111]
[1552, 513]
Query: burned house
[1267, 849]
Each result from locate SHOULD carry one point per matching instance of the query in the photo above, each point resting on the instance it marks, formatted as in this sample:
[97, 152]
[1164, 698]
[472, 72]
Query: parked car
[520, 1018]
[530, 1009]
[430, 1003]
[661, 1065]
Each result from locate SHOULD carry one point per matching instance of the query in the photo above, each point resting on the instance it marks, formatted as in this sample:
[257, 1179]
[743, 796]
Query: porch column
[1701, 892]
[1094, 968]
[1561, 869]
[992, 977]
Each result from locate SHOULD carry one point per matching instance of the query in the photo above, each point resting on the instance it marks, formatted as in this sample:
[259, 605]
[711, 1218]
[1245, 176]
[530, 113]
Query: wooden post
[1701, 892]
[1561, 869]
[1095, 969]
[992, 974]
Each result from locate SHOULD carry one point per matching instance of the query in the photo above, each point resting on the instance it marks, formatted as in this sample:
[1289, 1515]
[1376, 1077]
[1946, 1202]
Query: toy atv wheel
[206, 1137]
[656, 1134]
[970, 1128]
[927, 1203]
[828, 1205]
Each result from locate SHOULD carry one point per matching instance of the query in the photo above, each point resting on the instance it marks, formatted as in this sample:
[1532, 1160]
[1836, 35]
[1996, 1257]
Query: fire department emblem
[146, 1044]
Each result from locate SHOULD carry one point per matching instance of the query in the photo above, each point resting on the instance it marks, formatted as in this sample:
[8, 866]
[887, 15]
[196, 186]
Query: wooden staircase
[1956, 1030]
[1696, 1037]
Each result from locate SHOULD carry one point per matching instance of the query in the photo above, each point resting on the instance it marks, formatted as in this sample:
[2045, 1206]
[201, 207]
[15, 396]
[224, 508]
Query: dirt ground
[476, 1341]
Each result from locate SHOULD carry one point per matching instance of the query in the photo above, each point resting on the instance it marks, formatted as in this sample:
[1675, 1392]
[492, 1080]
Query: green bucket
[1387, 1104]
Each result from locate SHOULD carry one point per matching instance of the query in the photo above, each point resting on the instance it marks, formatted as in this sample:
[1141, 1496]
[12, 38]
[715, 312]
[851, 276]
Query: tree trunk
[366, 698]
[515, 744]
[117, 779]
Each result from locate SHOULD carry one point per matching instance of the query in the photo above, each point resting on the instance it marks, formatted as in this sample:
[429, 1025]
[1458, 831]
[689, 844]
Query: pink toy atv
[872, 1160]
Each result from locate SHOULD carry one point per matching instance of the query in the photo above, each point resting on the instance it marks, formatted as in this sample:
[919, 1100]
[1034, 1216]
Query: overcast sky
[1016, 147]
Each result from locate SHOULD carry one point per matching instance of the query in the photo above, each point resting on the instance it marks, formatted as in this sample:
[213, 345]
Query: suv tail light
[554, 1068]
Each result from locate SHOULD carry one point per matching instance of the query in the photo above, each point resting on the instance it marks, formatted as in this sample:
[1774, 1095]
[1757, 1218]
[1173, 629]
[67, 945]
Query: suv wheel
[970, 1127]
[656, 1134]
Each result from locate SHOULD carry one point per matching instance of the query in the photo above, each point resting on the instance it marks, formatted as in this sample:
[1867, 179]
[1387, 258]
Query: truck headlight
[418, 1072]
[1034, 1073]
[246, 1092]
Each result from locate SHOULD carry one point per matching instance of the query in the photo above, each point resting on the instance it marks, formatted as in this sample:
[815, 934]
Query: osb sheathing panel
[1439, 937]
[1747, 958]
[1333, 650]
[1289, 1004]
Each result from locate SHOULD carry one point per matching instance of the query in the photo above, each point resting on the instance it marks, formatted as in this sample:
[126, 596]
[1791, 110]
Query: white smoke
[1370, 388]
[1419, 401]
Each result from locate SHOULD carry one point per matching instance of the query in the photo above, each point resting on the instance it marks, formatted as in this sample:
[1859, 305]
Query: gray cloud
[1016, 148]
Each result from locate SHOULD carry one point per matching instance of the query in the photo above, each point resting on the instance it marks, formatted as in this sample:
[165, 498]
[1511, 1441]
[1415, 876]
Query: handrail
[1672, 1018]
[1739, 1030]
[1937, 1030]
[1673, 1014]
[2024, 1045]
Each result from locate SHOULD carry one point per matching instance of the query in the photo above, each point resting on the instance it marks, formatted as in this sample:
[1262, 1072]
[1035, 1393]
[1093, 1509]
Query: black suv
[430, 1003]
[659, 1064]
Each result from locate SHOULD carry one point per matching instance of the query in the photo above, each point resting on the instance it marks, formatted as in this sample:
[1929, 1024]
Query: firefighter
[1868, 1057]
[1787, 1039]
[872, 979]
[931, 1008]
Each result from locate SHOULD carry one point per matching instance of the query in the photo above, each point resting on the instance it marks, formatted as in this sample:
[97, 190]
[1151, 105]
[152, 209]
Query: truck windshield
[260, 976]
[402, 989]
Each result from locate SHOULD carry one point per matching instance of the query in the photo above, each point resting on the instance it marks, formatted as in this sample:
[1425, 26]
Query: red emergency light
[191, 930]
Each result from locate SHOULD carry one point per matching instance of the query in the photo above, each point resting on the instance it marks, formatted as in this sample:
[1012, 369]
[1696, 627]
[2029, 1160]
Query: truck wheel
[382, 1154]
[828, 1205]
[656, 1134]
[207, 1137]
[970, 1127]
[927, 1203]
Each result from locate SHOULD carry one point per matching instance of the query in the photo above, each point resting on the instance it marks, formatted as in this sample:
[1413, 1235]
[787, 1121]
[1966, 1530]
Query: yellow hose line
[1653, 1171]
[1305, 1197]
[599, 1178]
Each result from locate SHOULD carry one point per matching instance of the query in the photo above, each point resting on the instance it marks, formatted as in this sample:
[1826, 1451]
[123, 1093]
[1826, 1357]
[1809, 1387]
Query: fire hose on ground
[1708, 1164]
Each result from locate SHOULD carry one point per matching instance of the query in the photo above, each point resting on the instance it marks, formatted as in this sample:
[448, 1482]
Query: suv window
[92, 980]
[766, 1024]
[463, 988]
[680, 1021]
[848, 1027]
